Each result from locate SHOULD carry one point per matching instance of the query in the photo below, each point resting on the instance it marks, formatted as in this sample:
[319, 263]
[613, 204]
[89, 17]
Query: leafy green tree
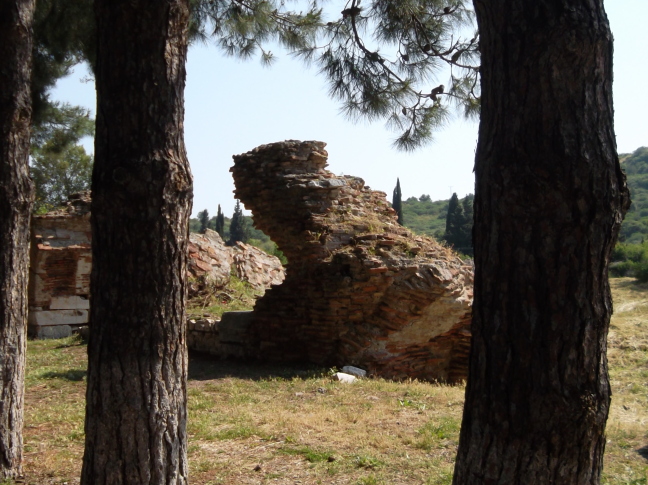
[220, 223]
[64, 35]
[60, 166]
[203, 217]
[238, 227]
[397, 202]
[635, 224]
[57, 174]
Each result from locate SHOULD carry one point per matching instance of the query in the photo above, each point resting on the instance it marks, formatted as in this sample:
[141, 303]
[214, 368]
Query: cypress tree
[397, 203]
[238, 229]
[466, 244]
[220, 223]
[452, 220]
[459, 224]
[203, 217]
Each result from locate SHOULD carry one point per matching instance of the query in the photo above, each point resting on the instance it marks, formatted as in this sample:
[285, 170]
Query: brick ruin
[59, 271]
[360, 289]
[61, 262]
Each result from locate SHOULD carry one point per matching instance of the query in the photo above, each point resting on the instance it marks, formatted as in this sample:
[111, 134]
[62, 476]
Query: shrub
[641, 271]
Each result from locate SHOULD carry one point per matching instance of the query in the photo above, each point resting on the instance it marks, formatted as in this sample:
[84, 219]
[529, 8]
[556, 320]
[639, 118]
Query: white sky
[233, 106]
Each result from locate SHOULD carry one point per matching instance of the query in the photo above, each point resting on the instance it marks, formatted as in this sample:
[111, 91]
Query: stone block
[354, 371]
[72, 302]
[344, 378]
[58, 317]
[50, 332]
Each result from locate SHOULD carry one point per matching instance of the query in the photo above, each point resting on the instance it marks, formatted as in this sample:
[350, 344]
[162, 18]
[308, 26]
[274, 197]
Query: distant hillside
[424, 216]
[635, 226]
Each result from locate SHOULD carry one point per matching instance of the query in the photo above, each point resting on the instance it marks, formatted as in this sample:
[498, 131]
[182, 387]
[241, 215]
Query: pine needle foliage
[381, 61]
[244, 28]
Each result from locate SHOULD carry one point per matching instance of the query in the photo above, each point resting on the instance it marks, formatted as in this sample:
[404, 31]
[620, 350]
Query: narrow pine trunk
[549, 199]
[137, 370]
[16, 198]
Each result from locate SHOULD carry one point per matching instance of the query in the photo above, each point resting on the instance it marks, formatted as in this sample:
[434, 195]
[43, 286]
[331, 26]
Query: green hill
[634, 229]
[424, 216]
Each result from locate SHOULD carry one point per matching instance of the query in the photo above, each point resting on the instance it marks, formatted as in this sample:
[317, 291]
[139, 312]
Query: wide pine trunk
[16, 199]
[141, 187]
[549, 199]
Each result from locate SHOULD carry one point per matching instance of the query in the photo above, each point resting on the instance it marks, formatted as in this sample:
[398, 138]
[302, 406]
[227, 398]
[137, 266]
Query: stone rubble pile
[209, 258]
[359, 288]
[213, 261]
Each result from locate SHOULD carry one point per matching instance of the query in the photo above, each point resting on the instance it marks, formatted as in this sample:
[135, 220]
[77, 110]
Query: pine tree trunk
[550, 197]
[16, 199]
[136, 399]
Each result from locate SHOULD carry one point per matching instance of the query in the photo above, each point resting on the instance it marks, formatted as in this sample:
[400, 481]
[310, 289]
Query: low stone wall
[226, 338]
[360, 289]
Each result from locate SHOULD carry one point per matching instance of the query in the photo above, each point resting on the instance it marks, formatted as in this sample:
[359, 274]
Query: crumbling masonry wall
[360, 289]
[59, 270]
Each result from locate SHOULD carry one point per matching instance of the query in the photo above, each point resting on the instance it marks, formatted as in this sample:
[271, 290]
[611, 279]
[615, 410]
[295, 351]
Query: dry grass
[626, 457]
[251, 424]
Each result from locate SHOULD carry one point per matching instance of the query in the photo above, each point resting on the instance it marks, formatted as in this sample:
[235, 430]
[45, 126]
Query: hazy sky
[233, 106]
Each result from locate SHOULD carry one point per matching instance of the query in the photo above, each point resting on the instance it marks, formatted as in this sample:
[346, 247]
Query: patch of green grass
[438, 432]
[366, 461]
[310, 454]
[238, 432]
[368, 480]
[199, 401]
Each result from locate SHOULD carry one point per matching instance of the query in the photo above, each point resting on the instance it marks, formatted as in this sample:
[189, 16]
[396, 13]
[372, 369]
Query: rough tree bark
[16, 199]
[136, 398]
[549, 199]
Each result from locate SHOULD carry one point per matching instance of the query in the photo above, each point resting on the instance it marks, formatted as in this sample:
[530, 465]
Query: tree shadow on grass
[204, 367]
[74, 375]
[632, 285]
[643, 452]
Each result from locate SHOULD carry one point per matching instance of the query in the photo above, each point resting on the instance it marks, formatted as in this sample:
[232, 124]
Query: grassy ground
[253, 424]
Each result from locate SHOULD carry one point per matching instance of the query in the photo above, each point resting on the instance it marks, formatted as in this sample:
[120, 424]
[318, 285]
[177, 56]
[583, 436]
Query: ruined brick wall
[360, 289]
[60, 264]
